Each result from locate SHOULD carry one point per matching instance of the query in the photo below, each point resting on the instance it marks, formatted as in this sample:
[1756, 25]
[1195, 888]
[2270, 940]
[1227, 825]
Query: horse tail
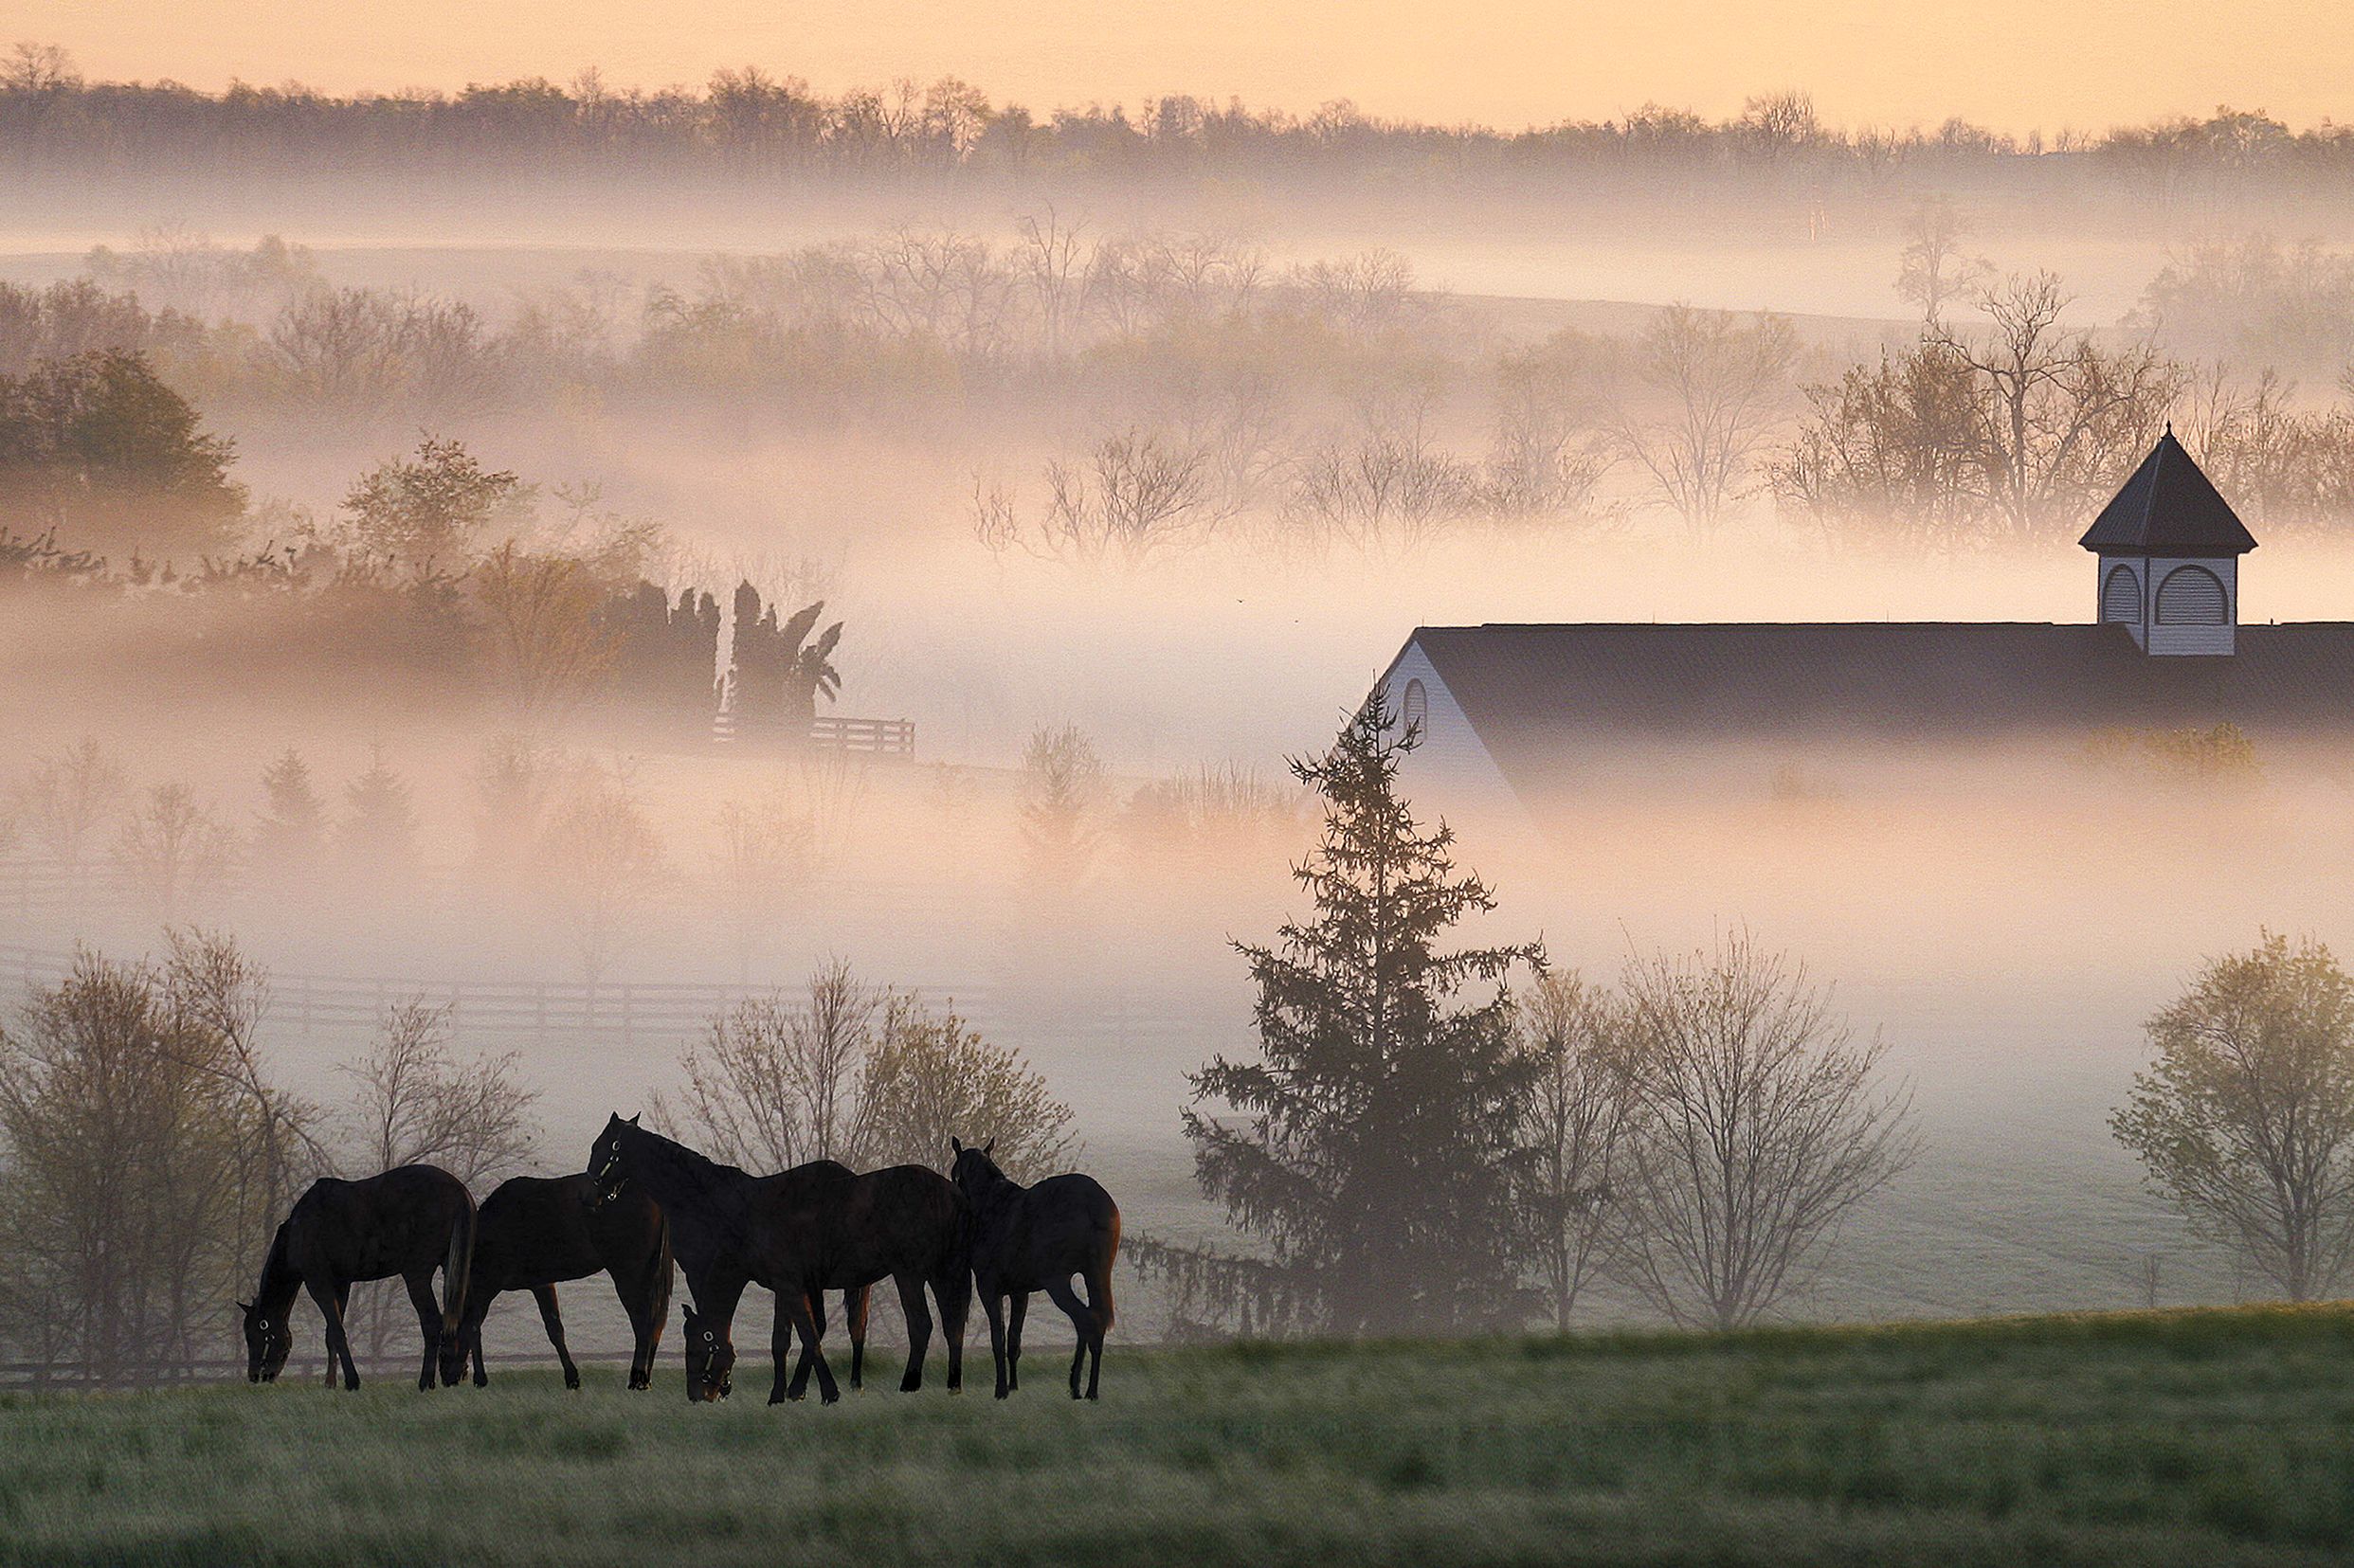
[458, 1265]
[1099, 1276]
[657, 1297]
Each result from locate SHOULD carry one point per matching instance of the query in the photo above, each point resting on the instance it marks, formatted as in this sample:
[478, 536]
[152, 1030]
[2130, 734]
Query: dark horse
[1036, 1238]
[407, 1221]
[798, 1233]
[537, 1231]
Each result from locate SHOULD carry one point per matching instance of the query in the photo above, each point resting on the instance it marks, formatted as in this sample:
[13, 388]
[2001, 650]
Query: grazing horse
[711, 1359]
[407, 1221]
[537, 1231]
[1036, 1238]
[810, 1229]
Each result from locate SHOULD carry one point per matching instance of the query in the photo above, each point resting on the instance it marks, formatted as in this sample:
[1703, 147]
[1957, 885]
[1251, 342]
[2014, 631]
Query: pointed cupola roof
[2168, 508]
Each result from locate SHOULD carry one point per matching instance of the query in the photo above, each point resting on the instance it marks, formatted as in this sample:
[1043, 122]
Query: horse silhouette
[1038, 1239]
[407, 1221]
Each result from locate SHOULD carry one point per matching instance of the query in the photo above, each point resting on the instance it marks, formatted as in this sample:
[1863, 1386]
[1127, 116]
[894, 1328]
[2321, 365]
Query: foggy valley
[1127, 456]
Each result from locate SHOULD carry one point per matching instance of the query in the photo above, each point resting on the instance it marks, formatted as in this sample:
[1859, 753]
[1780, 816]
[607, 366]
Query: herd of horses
[646, 1203]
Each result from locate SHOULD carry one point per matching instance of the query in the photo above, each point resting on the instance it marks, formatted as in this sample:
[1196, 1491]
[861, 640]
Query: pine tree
[293, 821]
[379, 830]
[1378, 1158]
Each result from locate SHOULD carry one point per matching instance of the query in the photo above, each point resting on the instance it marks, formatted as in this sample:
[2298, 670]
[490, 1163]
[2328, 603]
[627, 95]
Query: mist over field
[1126, 473]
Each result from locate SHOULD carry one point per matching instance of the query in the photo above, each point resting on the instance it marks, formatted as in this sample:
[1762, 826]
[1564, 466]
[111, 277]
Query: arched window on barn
[2121, 597]
[1414, 707]
[2192, 596]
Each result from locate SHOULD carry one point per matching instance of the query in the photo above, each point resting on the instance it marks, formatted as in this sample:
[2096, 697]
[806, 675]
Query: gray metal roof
[2168, 507]
[1535, 694]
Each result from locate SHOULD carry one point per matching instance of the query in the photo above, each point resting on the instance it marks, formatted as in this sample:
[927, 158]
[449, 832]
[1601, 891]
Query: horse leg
[1013, 1338]
[793, 1314]
[642, 1334]
[801, 1369]
[343, 1306]
[329, 1304]
[470, 1336]
[429, 1326]
[552, 1318]
[993, 1307]
[918, 1329]
[954, 1292]
[853, 1312]
[1082, 1321]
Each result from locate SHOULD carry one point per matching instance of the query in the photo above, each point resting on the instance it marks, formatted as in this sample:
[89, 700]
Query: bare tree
[1716, 385]
[419, 1104]
[600, 862]
[1890, 452]
[1933, 270]
[67, 797]
[2246, 1119]
[39, 68]
[2058, 415]
[763, 862]
[548, 642]
[1385, 486]
[219, 998]
[1544, 461]
[774, 1084]
[1135, 495]
[867, 1077]
[1759, 1126]
[1574, 1124]
[175, 852]
[1054, 270]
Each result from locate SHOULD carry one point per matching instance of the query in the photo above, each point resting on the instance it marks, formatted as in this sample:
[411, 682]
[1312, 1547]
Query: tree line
[753, 123]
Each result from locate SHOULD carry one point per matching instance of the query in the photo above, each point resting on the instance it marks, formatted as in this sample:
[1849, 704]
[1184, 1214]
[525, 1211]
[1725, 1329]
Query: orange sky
[2014, 63]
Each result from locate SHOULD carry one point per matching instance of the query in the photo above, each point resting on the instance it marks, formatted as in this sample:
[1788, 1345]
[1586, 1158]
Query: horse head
[609, 1165]
[973, 1171]
[710, 1359]
[268, 1342]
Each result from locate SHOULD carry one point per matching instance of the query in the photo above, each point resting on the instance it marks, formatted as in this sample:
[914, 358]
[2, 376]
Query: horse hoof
[832, 1398]
[1002, 1391]
[571, 1379]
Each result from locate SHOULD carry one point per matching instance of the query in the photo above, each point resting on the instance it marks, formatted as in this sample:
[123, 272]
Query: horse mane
[698, 1174]
[994, 1188]
[279, 1281]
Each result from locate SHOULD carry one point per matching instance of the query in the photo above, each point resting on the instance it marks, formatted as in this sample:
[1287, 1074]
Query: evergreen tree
[1378, 1158]
[293, 821]
[379, 829]
[98, 454]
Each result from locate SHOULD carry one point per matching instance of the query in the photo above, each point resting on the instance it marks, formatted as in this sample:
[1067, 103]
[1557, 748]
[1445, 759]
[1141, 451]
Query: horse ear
[244, 1306]
[954, 1144]
[988, 1149]
[633, 1120]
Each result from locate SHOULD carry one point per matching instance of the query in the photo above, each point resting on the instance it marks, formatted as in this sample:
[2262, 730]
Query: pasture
[2213, 1437]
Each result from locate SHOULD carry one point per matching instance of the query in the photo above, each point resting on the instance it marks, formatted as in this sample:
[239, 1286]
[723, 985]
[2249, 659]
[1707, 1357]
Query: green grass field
[2200, 1437]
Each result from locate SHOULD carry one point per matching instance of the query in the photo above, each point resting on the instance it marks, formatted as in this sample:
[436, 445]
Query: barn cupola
[2169, 547]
